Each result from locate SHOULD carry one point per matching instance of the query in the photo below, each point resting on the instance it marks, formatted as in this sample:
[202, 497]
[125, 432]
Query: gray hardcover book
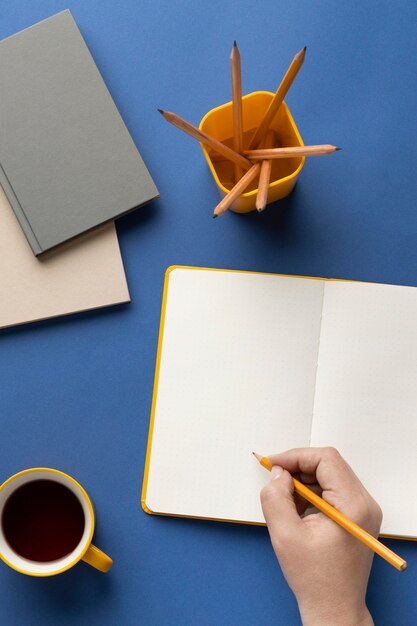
[67, 160]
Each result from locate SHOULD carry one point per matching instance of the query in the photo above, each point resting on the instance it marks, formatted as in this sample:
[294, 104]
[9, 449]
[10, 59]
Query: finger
[316, 488]
[301, 503]
[311, 510]
[331, 470]
[307, 479]
[277, 499]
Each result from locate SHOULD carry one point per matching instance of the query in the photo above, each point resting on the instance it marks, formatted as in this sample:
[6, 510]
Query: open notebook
[264, 362]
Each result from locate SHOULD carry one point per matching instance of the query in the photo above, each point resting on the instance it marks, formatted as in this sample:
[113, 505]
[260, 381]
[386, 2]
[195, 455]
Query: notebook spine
[19, 212]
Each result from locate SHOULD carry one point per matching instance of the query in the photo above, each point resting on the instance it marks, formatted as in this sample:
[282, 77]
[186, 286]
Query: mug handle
[98, 559]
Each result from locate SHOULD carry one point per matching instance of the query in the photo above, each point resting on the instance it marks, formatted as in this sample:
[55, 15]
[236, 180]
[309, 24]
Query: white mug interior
[45, 568]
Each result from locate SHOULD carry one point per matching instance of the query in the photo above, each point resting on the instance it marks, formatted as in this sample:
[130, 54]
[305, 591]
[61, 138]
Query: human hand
[326, 568]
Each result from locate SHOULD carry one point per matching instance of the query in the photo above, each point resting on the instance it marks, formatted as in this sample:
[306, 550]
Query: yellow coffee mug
[85, 550]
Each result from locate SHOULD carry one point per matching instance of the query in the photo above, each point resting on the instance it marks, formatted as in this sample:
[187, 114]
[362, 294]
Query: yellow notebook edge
[168, 272]
[155, 389]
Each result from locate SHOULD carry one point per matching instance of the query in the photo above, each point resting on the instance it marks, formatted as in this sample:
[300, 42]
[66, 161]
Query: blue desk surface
[75, 393]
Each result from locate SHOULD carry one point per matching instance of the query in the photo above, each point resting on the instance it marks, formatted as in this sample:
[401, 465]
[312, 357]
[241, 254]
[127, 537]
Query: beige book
[84, 274]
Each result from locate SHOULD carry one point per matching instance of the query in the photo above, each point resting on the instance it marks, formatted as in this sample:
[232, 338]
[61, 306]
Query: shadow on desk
[245, 551]
[228, 535]
[291, 235]
[276, 216]
[80, 592]
[289, 223]
[61, 321]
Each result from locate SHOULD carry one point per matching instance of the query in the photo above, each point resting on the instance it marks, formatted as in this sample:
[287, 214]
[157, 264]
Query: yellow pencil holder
[284, 173]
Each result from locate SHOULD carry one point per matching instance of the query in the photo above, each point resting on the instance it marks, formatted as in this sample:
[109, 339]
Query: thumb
[277, 499]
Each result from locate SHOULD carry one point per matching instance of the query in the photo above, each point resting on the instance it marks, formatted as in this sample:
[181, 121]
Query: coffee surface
[43, 521]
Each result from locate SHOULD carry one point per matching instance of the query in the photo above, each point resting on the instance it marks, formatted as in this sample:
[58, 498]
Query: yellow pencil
[237, 190]
[291, 151]
[206, 139]
[342, 520]
[264, 176]
[278, 98]
[236, 77]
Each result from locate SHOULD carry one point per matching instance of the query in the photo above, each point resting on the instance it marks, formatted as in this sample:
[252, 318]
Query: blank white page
[366, 392]
[237, 373]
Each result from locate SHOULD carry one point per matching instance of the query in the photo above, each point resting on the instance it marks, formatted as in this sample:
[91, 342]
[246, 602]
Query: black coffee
[43, 521]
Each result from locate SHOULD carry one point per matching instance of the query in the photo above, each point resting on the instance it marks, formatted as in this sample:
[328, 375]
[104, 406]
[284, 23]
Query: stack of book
[68, 168]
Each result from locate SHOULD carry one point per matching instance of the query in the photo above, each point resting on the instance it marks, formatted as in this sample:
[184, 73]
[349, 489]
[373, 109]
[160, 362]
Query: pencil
[291, 151]
[236, 78]
[342, 520]
[265, 174]
[278, 98]
[237, 190]
[206, 139]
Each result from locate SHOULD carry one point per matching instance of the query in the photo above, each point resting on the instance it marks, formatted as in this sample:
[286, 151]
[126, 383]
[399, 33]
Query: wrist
[335, 616]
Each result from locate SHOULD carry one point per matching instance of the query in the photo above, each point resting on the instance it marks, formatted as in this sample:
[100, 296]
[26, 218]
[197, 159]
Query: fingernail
[276, 472]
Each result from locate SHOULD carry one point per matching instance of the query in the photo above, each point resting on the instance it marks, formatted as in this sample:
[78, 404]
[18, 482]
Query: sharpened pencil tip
[337, 149]
[235, 44]
[161, 111]
[301, 55]
[215, 215]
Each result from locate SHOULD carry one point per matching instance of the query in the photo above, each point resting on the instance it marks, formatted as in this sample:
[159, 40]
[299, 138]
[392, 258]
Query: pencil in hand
[278, 98]
[291, 151]
[343, 521]
[206, 139]
[236, 78]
